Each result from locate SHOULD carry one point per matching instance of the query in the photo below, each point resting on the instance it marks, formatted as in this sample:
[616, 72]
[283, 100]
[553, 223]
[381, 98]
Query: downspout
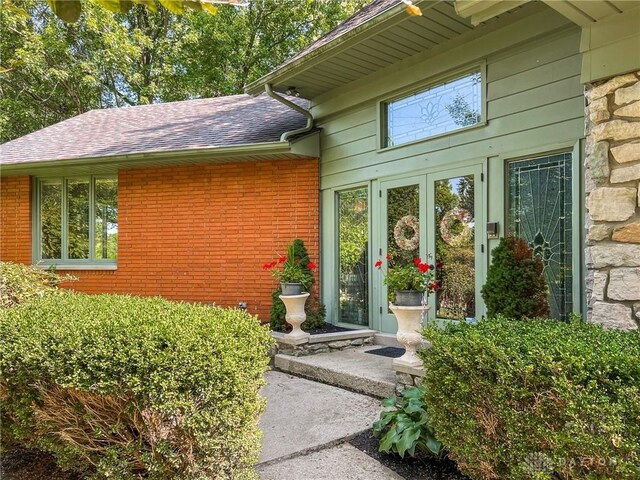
[285, 136]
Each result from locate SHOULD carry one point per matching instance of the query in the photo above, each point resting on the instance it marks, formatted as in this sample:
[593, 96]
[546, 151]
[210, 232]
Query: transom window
[442, 108]
[77, 220]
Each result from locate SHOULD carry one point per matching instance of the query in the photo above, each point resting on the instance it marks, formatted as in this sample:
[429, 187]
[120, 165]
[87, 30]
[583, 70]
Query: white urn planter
[295, 317]
[409, 326]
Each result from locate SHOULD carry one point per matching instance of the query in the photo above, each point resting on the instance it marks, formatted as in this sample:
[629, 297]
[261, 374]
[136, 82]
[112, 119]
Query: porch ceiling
[580, 12]
[391, 36]
[386, 39]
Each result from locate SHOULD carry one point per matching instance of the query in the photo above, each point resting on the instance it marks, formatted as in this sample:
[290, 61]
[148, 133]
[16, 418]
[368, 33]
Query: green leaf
[174, 6]
[116, 6]
[407, 440]
[209, 8]
[389, 401]
[20, 11]
[413, 392]
[193, 5]
[67, 10]
[434, 446]
[388, 440]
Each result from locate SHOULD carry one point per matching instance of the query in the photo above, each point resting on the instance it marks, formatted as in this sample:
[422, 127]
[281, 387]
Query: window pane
[403, 226]
[78, 218]
[455, 248]
[51, 219]
[540, 212]
[353, 239]
[106, 218]
[439, 109]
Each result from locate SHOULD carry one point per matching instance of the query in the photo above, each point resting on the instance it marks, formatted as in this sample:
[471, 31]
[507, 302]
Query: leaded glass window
[540, 211]
[449, 106]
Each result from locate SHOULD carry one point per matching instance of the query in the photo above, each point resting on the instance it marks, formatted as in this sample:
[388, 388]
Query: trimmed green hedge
[21, 283]
[132, 386]
[536, 399]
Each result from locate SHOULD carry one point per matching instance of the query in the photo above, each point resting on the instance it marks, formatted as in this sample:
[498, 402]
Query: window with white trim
[76, 220]
[441, 108]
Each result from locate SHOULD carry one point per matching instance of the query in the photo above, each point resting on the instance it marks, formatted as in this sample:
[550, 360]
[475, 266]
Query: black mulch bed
[19, 463]
[328, 328]
[425, 468]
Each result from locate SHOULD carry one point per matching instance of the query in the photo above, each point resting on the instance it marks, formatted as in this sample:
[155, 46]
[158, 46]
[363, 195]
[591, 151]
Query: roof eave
[191, 155]
[280, 74]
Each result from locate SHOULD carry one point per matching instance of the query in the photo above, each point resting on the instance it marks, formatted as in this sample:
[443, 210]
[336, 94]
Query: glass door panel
[455, 243]
[455, 252]
[540, 207]
[403, 214]
[353, 246]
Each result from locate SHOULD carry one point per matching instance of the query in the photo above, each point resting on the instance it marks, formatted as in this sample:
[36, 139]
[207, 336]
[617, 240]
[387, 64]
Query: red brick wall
[202, 232]
[15, 219]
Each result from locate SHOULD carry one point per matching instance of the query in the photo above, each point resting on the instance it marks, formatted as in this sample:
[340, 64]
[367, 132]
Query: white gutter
[307, 128]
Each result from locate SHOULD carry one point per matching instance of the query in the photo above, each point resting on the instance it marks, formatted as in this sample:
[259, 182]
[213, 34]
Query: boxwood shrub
[134, 387]
[536, 399]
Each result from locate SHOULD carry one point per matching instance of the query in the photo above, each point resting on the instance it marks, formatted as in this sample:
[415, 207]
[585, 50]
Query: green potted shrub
[291, 272]
[515, 285]
[314, 309]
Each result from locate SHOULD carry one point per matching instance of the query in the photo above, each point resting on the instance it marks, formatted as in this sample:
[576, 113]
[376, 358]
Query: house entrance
[434, 217]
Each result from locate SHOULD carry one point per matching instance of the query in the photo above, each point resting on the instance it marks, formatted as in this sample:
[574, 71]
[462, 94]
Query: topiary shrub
[535, 399]
[134, 387]
[515, 286]
[314, 309]
[20, 283]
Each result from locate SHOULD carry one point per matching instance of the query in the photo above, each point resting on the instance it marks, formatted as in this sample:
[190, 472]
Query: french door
[439, 218]
[456, 242]
[403, 210]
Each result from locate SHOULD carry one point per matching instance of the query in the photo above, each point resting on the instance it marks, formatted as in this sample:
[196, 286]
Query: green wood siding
[534, 97]
[534, 105]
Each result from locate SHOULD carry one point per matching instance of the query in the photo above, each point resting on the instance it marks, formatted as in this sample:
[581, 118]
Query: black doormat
[391, 352]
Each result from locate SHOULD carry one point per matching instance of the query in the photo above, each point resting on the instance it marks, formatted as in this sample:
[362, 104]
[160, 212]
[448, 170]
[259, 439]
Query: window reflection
[455, 247]
[353, 240]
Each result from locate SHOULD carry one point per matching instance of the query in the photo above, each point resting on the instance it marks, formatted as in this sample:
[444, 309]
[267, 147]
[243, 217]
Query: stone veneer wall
[612, 124]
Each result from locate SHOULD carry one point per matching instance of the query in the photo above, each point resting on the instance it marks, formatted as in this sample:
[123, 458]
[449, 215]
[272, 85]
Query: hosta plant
[405, 428]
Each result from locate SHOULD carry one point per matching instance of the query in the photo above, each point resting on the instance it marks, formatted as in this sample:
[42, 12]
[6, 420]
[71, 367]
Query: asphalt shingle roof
[163, 127]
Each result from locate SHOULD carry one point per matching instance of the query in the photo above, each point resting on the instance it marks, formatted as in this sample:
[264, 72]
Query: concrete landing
[351, 369]
[336, 463]
[304, 416]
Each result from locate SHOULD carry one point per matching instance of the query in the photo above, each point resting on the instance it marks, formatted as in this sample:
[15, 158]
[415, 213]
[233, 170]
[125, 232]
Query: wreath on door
[406, 224]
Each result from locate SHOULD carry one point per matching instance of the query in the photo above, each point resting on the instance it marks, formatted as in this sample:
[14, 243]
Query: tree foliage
[51, 70]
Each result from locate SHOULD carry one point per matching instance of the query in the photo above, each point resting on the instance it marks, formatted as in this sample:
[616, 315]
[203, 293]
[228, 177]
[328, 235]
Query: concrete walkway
[306, 427]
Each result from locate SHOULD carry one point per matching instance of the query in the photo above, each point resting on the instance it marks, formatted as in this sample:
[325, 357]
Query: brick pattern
[202, 232]
[15, 219]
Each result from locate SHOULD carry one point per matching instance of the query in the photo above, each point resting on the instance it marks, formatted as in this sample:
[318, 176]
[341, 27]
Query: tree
[51, 70]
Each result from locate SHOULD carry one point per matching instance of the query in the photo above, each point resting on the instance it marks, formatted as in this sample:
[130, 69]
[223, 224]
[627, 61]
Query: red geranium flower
[282, 259]
[378, 264]
[423, 267]
[388, 256]
[417, 261]
[311, 265]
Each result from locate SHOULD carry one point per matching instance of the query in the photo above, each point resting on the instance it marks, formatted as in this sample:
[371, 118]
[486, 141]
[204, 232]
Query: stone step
[353, 370]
